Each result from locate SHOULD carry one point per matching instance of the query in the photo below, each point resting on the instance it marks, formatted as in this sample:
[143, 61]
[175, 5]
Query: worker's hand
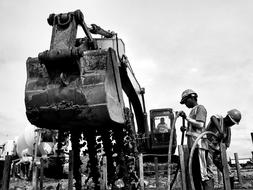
[220, 136]
[182, 114]
[183, 128]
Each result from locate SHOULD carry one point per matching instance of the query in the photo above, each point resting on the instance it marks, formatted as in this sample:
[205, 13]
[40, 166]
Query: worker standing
[196, 125]
[222, 128]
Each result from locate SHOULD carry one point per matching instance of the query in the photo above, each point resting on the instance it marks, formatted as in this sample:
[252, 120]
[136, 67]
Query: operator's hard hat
[187, 93]
[235, 115]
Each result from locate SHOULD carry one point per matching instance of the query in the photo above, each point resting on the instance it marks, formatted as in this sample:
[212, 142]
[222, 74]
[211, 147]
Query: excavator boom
[79, 82]
[78, 89]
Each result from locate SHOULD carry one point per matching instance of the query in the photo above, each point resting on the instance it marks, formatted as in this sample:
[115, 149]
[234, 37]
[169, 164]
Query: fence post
[183, 153]
[35, 176]
[41, 172]
[182, 165]
[70, 176]
[226, 179]
[13, 170]
[104, 174]
[141, 171]
[34, 162]
[6, 173]
[238, 169]
[156, 172]
[219, 175]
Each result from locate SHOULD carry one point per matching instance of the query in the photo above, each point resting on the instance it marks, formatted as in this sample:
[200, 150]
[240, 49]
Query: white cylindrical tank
[26, 140]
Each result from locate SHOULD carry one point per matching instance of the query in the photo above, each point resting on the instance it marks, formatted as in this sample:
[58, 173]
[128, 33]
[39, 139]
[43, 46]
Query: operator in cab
[162, 127]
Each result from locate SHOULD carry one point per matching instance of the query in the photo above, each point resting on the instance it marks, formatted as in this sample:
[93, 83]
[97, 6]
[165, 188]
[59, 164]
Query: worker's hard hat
[187, 93]
[235, 115]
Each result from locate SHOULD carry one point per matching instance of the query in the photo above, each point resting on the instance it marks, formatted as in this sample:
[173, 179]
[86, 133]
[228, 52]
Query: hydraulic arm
[77, 86]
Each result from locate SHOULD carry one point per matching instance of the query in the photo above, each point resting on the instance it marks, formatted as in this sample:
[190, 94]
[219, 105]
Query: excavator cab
[160, 129]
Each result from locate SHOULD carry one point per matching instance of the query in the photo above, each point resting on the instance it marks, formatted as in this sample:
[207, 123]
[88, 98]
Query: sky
[205, 45]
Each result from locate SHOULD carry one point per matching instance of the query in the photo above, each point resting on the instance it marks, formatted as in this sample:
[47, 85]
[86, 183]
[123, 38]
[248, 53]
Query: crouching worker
[222, 128]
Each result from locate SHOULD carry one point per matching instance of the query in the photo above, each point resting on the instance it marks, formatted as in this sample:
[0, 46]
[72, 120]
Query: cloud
[4, 118]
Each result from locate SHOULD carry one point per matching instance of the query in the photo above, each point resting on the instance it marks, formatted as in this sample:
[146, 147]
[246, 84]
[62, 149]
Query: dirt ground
[50, 184]
[149, 181]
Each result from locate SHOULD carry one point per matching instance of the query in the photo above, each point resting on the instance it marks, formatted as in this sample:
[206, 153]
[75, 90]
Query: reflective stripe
[232, 119]
[194, 134]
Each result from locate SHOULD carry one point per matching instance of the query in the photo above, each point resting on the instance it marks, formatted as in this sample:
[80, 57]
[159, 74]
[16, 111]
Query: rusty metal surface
[65, 100]
[73, 84]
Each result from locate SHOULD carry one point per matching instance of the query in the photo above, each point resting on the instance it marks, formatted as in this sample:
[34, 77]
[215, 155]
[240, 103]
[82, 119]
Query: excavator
[86, 88]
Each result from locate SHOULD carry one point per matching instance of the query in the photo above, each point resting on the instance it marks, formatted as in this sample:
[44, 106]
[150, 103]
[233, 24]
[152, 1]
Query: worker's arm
[227, 143]
[195, 123]
[216, 124]
[200, 119]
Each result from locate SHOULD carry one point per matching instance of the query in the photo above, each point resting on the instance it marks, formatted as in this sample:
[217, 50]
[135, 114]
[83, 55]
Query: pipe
[178, 166]
[170, 149]
[191, 155]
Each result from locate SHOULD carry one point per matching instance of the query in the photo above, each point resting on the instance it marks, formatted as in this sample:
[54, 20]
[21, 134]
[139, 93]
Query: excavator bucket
[80, 81]
[77, 82]
[66, 99]
[83, 92]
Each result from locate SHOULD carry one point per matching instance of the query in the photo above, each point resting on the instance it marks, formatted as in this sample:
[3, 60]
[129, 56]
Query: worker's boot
[208, 184]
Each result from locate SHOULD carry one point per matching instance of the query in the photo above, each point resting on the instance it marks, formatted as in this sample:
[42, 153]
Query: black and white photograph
[126, 95]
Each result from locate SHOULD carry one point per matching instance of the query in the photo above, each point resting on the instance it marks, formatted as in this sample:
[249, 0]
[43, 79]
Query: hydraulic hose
[191, 155]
